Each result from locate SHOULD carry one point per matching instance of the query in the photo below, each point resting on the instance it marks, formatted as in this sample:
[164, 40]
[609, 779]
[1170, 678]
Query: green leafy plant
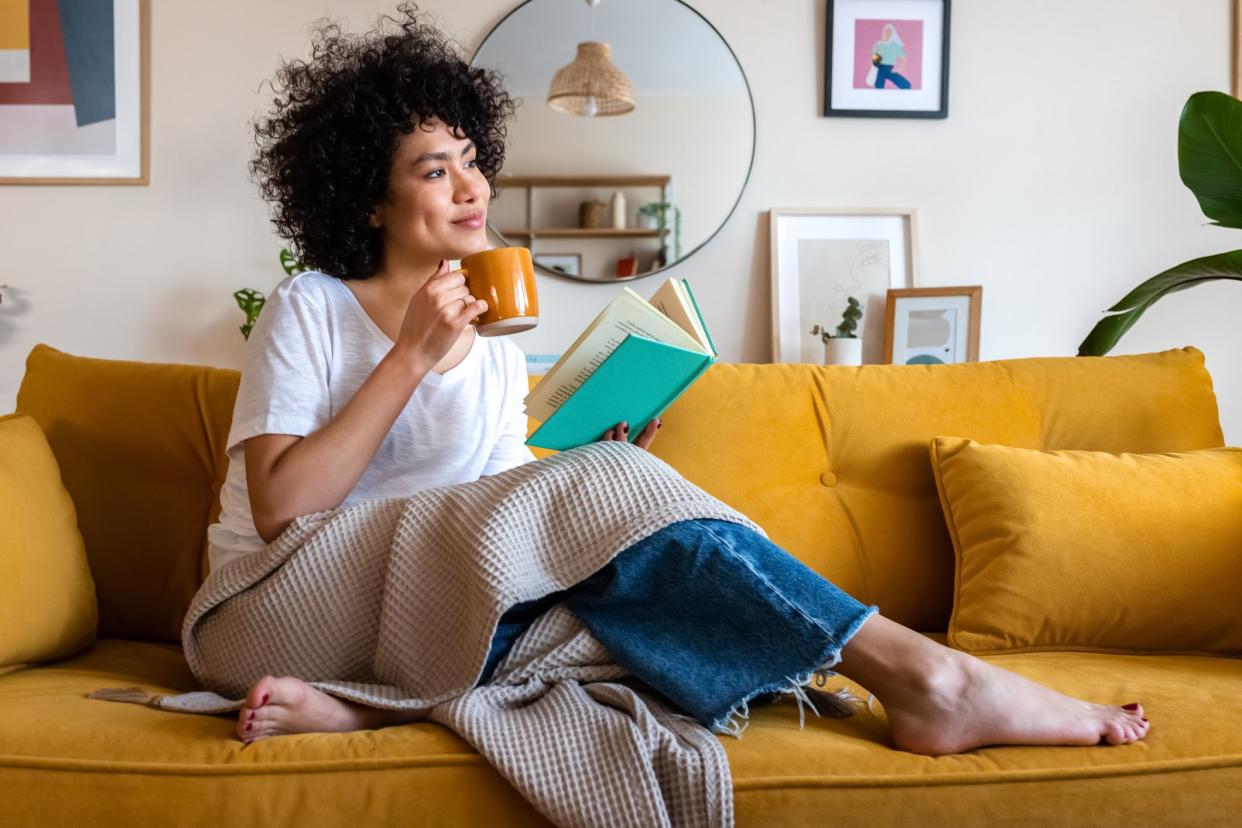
[251, 301]
[659, 210]
[849, 323]
[1209, 159]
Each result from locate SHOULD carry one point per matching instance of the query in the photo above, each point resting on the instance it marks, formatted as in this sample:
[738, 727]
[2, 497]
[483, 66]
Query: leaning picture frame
[886, 58]
[1235, 59]
[932, 325]
[75, 93]
[569, 264]
[821, 256]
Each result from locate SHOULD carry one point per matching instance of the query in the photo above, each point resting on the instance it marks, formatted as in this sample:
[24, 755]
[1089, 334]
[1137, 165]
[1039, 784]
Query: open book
[629, 364]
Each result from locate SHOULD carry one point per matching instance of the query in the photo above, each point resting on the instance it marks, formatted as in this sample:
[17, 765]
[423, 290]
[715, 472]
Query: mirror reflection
[633, 137]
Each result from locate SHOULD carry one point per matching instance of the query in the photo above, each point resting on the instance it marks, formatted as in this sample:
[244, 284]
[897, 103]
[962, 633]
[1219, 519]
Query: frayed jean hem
[737, 719]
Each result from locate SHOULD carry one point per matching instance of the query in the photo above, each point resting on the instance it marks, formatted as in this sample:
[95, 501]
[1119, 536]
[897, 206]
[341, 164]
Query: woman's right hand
[437, 315]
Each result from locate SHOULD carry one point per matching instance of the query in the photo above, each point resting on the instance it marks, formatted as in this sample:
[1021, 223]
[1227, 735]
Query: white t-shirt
[311, 348]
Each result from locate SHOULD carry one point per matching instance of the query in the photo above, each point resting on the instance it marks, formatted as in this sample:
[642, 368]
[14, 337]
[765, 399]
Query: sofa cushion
[80, 761]
[47, 598]
[1089, 550]
[832, 461]
[140, 448]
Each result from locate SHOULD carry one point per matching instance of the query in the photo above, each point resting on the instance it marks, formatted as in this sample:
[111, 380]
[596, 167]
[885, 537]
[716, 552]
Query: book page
[673, 303]
[627, 313]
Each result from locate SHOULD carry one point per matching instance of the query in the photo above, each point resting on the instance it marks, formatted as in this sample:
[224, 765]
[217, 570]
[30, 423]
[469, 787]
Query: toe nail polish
[1144, 720]
[250, 718]
[248, 725]
[265, 697]
[1131, 706]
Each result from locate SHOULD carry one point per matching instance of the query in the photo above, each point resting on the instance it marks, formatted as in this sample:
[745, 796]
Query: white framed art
[933, 326]
[568, 263]
[887, 58]
[75, 92]
[820, 256]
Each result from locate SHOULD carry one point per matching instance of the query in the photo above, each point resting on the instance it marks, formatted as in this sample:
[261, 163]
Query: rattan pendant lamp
[591, 85]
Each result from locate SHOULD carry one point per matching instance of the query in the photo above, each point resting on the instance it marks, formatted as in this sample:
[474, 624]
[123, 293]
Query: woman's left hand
[621, 432]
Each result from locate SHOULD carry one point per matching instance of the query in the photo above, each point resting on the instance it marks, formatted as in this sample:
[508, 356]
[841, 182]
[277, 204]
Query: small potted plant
[251, 301]
[651, 215]
[654, 216]
[845, 348]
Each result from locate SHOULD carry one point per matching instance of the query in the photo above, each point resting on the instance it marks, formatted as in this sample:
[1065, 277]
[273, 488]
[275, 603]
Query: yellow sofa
[832, 461]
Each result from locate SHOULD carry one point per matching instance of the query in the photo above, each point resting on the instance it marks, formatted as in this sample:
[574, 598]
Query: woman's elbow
[269, 528]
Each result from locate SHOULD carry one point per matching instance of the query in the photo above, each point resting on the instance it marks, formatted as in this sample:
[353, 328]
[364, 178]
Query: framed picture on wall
[568, 263]
[74, 92]
[823, 256]
[932, 326]
[1235, 62]
[887, 58]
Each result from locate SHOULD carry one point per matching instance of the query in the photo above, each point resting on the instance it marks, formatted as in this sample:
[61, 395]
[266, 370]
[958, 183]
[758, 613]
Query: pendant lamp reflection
[591, 85]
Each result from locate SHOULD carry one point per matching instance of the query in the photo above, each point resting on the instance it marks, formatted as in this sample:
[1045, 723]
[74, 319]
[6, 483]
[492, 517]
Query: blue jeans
[710, 614]
[885, 73]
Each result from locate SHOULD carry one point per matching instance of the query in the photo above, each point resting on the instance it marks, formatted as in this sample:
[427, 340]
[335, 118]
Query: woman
[889, 56]
[364, 379]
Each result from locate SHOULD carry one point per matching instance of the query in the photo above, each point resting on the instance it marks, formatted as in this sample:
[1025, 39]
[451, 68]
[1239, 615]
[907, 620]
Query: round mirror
[633, 138]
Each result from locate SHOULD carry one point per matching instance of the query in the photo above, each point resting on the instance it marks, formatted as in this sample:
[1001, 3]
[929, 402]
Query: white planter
[648, 221]
[843, 351]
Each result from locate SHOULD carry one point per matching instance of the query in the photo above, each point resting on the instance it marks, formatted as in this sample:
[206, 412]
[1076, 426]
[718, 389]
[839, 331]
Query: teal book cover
[635, 383]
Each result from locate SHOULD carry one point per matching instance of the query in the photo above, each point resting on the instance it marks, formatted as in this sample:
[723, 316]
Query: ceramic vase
[843, 351]
[618, 210]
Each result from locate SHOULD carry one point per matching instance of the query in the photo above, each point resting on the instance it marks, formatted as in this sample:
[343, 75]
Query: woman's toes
[261, 693]
[1125, 729]
[256, 732]
[257, 708]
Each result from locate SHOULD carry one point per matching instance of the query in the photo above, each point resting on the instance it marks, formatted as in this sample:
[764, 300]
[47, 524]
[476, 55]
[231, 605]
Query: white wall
[1053, 183]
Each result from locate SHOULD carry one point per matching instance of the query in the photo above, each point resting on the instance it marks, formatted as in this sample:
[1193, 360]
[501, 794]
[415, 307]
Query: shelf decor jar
[591, 214]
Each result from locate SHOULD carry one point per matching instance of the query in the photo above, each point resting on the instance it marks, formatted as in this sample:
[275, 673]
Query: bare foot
[277, 706]
[966, 703]
[941, 700]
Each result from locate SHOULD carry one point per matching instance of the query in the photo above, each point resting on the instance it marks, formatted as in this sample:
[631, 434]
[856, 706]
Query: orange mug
[505, 278]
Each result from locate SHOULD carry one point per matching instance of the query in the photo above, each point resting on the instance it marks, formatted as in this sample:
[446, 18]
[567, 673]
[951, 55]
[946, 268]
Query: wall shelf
[581, 232]
[532, 183]
[583, 180]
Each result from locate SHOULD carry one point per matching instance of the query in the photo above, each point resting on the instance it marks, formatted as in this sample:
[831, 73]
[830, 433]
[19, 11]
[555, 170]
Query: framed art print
[887, 58]
[1235, 60]
[74, 91]
[568, 263]
[823, 256]
[932, 326]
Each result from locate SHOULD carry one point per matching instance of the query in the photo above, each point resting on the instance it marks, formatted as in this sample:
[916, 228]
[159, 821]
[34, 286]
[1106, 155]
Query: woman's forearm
[319, 471]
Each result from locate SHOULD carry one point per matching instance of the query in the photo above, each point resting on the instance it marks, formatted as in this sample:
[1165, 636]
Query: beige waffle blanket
[394, 603]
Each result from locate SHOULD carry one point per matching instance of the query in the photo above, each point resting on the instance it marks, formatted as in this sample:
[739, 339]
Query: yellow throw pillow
[47, 597]
[1093, 551]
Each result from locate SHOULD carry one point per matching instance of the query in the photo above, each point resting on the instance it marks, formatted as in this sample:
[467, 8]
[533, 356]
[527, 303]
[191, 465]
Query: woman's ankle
[887, 659]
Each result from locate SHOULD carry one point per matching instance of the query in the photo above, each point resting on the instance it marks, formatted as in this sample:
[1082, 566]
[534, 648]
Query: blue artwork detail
[90, 51]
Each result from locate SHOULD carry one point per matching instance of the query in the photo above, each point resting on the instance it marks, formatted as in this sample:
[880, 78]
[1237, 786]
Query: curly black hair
[325, 149]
